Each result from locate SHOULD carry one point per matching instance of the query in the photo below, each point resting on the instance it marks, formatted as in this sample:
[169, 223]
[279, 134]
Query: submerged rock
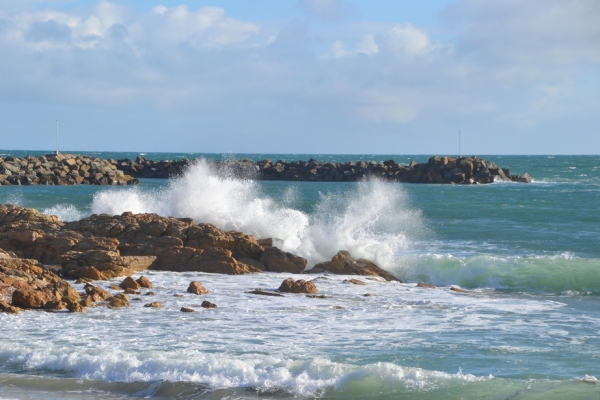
[299, 286]
[344, 264]
[196, 287]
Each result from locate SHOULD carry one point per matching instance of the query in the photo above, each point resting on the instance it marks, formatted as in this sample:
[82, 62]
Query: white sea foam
[300, 377]
[374, 221]
[66, 212]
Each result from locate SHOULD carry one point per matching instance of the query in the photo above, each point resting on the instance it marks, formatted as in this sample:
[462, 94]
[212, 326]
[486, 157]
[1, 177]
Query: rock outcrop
[102, 247]
[344, 264]
[25, 284]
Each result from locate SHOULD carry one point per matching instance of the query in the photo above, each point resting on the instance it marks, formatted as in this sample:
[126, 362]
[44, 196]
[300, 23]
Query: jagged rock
[97, 293]
[299, 286]
[344, 264]
[118, 300]
[425, 285]
[154, 304]
[89, 273]
[196, 287]
[8, 308]
[129, 283]
[218, 261]
[208, 304]
[277, 260]
[144, 282]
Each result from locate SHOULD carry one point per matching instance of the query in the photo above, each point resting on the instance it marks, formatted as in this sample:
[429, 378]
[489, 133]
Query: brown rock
[425, 285]
[277, 260]
[89, 273]
[218, 261]
[208, 304]
[86, 301]
[144, 282]
[186, 309]
[154, 304]
[343, 263]
[97, 293]
[76, 307]
[129, 283]
[118, 300]
[9, 309]
[196, 288]
[114, 286]
[208, 236]
[31, 298]
[299, 286]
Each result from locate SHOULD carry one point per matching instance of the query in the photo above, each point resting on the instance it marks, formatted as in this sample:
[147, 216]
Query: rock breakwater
[64, 169]
[61, 169]
[439, 170]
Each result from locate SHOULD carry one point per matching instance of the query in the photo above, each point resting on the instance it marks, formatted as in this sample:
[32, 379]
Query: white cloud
[510, 62]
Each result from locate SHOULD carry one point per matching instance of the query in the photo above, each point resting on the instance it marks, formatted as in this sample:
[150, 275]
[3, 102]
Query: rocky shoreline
[65, 169]
[39, 254]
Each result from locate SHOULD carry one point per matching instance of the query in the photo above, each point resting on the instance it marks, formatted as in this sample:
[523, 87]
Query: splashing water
[372, 221]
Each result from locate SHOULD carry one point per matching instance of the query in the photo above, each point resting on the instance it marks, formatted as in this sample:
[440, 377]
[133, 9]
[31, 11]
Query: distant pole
[57, 137]
[459, 143]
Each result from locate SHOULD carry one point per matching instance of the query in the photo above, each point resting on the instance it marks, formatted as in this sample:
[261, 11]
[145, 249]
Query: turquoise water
[527, 254]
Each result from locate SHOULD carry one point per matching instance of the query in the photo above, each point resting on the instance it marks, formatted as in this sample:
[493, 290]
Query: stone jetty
[61, 169]
[64, 169]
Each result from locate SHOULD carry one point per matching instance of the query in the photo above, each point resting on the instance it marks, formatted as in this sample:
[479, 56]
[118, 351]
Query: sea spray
[372, 219]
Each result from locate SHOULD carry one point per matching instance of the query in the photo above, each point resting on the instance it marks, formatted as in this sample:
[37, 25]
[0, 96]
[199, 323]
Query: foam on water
[300, 377]
[373, 222]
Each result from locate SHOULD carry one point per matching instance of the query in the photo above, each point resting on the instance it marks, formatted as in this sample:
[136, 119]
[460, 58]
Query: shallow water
[527, 328]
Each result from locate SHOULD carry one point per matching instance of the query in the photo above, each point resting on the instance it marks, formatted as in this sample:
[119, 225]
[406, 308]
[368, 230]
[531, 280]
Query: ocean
[526, 327]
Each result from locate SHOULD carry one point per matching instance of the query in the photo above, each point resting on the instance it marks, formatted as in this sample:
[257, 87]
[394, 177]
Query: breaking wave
[372, 220]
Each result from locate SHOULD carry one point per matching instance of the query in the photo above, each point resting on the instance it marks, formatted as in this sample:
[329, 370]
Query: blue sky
[302, 76]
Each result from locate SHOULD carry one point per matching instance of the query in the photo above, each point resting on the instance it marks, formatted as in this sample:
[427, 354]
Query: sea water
[526, 254]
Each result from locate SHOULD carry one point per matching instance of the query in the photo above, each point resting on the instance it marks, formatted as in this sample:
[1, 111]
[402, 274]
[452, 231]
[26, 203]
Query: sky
[301, 76]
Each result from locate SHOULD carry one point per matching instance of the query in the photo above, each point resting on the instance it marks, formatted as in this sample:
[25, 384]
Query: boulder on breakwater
[65, 169]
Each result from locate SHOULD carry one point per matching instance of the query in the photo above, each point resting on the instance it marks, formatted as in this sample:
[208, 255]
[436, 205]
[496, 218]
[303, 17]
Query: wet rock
[208, 304]
[196, 287]
[425, 285]
[8, 308]
[187, 309]
[276, 260]
[265, 293]
[154, 304]
[118, 300]
[97, 293]
[144, 282]
[344, 264]
[114, 286]
[457, 289]
[299, 286]
[129, 283]
[354, 281]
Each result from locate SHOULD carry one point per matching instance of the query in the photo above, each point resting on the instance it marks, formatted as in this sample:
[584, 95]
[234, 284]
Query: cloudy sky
[302, 76]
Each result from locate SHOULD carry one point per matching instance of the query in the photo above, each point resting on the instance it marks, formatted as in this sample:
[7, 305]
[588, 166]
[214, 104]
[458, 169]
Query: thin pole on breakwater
[459, 143]
[57, 137]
